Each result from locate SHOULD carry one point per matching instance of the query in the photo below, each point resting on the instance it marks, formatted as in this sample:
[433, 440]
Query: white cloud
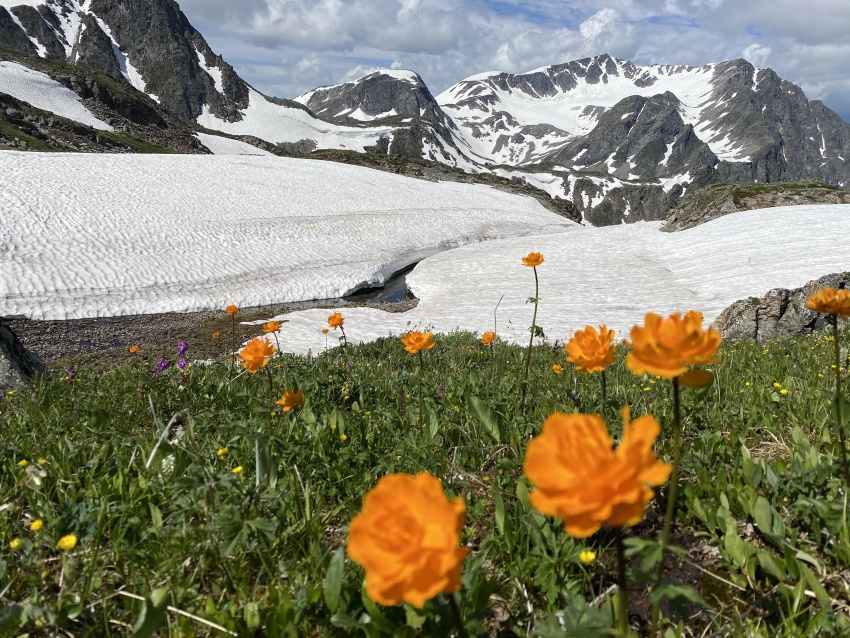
[756, 54]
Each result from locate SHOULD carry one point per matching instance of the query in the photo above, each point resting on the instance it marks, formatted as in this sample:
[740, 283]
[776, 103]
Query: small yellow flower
[23, 463]
[820, 376]
[16, 543]
[747, 384]
[342, 437]
[783, 391]
[42, 461]
[557, 369]
[485, 478]
[67, 542]
[237, 469]
[777, 385]
[832, 366]
[10, 392]
[587, 557]
[36, 525]
[221, 452]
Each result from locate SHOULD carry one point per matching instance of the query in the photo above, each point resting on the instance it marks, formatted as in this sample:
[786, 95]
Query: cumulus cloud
[285, 47]
[756, 54]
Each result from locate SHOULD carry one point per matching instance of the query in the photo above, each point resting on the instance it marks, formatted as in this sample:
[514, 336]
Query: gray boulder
[780, 314]
[18, 366]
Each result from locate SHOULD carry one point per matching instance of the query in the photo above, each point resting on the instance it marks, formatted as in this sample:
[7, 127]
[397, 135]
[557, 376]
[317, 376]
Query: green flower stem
[838, 414]
[421, 372]
[671, 500]
[344, 338]
[604, 394]
[623, 611]
[530, 342]
[232, 342]
[461, 630]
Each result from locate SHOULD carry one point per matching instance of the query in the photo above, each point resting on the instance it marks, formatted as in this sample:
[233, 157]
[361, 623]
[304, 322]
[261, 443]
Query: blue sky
[285, 47]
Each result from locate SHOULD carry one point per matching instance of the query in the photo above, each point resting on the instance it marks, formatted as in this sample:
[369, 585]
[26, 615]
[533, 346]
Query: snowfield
[99, 235]
[612, 275]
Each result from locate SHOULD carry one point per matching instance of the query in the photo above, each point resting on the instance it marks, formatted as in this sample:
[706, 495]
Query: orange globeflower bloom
[532, 259]
[336, 320]
[216, 335]
[830, 301]
[488, 337]
[416, 341]
[325, 331]
[557, 369]
[231, 309]
[134, 349]
[290, 399]
[582, 479]
[664, 347]
[590, 350]
[271, 326]
[406, 538]
[256, 354]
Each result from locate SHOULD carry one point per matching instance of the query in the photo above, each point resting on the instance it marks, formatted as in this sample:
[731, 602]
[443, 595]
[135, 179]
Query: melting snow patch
[42, 92]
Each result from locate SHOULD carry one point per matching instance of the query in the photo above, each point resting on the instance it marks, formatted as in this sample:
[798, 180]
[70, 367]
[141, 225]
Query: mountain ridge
[622, 142]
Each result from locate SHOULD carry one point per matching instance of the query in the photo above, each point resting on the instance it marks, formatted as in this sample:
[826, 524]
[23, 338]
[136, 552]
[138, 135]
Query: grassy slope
[762, 516]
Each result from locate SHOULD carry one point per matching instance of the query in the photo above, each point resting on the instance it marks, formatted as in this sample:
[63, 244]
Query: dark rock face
[40, 29]
[11, 35]
[94, 50]
[780, 314]
[17, 364]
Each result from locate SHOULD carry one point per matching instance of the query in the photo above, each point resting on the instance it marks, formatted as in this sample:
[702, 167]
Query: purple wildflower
[181, 363]
[154, 373]
[72, 371]
[163, 364]
[181, 379]
[182, 347]
[349, 365]
[442, 391]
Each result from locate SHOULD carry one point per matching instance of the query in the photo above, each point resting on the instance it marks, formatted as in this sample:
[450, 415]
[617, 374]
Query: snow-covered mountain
[621, 142]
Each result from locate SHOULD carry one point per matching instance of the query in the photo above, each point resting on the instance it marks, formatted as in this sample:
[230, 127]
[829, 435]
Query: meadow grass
[172, 540]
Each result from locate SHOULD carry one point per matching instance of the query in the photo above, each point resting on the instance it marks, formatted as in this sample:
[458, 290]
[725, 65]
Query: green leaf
[333, 580]
[769, 522]
[500, 511]
[433, 421]
[153, 614]
[415, 617]
[772, 565]
[815, 585]
[675, 591]
[481, 411]
[251, 616]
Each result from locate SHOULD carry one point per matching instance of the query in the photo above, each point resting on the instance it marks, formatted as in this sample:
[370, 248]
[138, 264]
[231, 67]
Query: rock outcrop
[780, 314]
[18, 366]
[722, 199]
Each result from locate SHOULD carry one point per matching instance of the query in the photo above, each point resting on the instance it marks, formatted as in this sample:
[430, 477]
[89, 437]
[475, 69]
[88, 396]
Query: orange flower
[830, 301]
[231, 309]
[488, 337]
[582, 479]
[406, 538]
[336, 320]
[216, 335]
[271, 326]
[325, 331]
[416, 341]
[557, 369]
[290, 399]
[256, 354]
[590, 350]
[134, 349]
[666, 346]
[532, 259]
